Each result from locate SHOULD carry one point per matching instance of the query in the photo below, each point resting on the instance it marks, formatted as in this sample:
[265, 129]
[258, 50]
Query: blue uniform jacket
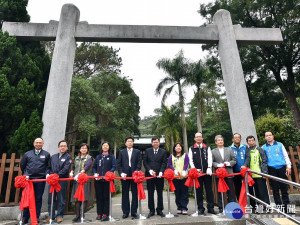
[104, 163]
[61, 166]
[240, 154]
[36, 167]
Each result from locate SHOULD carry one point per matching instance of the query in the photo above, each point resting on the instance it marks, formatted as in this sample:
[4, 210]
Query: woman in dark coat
[104, 162]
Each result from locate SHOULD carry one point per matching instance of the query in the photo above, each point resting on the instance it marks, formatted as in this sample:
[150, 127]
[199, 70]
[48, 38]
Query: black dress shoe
[76, 219]
[151, 213]
[201, 213]
[134, 215]
[211, 211]
[125, 216]
[161, 214]
[25, 221]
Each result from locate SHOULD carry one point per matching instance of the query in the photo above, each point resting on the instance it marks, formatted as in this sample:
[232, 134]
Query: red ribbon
[193, 175]
[52, 180]
[110, 176]
[28, 197]
[82, 179]
[243, 196]
[138, 178]
[169, 175]
[222, 185]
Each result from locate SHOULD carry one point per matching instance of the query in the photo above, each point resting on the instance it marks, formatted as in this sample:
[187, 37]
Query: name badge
[42, 156]
[63, 160]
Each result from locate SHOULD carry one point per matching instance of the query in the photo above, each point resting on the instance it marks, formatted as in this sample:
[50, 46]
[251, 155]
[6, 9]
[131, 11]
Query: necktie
[37, 152]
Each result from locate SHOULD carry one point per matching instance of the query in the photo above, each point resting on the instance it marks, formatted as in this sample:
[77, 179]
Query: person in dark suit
[223, 157]
[155, 162]
[35, 165]
[129, 160]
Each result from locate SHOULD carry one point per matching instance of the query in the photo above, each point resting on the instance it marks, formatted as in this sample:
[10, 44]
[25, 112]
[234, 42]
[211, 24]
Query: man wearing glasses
[60, 164]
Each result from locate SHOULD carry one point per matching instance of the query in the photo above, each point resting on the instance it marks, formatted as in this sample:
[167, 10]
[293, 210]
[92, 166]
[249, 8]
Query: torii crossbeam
[68, 30]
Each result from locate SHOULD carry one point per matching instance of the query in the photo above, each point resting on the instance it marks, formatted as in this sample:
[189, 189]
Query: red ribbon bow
[110, 176]
[169, 175]
[52, 180]
[138, 178]
[82, 179]
[243, 197]
[28, 197]
[222, 185]
[193, 175]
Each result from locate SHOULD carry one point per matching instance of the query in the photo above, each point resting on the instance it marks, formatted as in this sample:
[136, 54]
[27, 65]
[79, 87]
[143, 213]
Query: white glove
[220, 165]
[176, 172]
[96, 175]
[208, 171]
[151, 172]
[76, 177]
[71, 174]
[123, 175]
[184, 173]
[27, 177]
[227, 163]
[47, 175]
[199, 170]
[160, 174]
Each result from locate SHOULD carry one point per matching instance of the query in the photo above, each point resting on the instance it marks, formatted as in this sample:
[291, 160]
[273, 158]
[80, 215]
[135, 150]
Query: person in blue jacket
[104, 162]
[60, 164]
[240, 153]
[35, 165]
[279, 165]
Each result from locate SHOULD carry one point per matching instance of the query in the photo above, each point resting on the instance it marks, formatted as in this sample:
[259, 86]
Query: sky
[139, 59]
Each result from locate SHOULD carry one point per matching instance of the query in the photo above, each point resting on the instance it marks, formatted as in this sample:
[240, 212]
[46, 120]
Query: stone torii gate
[68, 30]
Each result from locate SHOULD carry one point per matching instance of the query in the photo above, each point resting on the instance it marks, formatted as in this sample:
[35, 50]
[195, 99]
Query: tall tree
[166, 123]
[24, 71]
[177, 71]
[91, 58]
[202, 79]
[104, 107]
[279, 63]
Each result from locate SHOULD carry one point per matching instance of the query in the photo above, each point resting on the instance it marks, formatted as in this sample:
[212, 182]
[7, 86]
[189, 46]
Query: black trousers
[230, 194]
[261, 191]
[157, 183]
[181, 194]
[237, 180]
[102, 188]
[39, 188]
[276, 186]
[206, 180]
[126, 184]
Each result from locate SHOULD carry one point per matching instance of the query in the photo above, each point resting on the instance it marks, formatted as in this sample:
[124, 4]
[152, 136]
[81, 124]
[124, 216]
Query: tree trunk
[199, 126]
[184, 132]
[115, 149]
[289, 93]
[172, 144]
[89, 140]
[294, 107]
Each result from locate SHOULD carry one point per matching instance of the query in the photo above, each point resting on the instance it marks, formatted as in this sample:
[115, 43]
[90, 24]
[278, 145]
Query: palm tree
[166, 124]
[177, 71]
[199, 77]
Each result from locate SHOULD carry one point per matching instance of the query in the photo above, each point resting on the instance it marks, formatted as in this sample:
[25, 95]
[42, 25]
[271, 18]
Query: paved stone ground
[181, 219]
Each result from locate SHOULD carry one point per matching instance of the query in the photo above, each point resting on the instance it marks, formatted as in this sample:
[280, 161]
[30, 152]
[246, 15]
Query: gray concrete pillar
[238, 101]
[60, 78]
